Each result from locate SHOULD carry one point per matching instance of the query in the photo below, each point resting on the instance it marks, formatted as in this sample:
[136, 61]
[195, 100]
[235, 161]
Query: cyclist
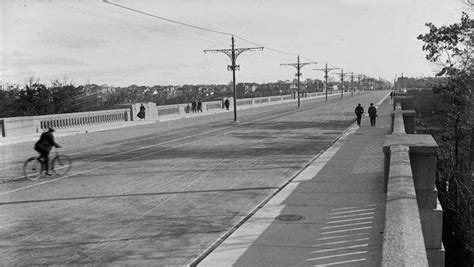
[44, 146]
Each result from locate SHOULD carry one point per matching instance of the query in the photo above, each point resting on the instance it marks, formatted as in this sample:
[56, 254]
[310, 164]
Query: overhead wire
[87, 12]
[101, 16]
[199, 27]
[166, 19]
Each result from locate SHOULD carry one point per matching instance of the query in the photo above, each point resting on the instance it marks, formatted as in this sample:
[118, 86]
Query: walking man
[372, 114]
[199, 106]
[359, 110]
[227, 103]
[141, 113]
[193, 105]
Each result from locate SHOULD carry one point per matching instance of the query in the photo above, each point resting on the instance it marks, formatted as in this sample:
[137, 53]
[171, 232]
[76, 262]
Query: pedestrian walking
[199, 106]
[372, 114]
[227, 103]
[391, 95]
[193, 105]
[141, 113]
[359, 110]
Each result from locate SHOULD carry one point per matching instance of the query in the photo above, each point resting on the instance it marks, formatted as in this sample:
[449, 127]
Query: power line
[78, 10]
[233, 53]
[101, 16]
[326, 70]
[269, 48]
[197, 27]
[298, 65]
[166, 19]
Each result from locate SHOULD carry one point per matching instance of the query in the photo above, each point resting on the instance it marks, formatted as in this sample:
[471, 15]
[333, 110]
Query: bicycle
[33, 168]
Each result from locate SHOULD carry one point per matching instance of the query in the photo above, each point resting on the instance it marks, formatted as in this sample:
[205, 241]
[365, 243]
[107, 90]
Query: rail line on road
[219, 131]
[93, 146]
[96, 148]
[169, 190]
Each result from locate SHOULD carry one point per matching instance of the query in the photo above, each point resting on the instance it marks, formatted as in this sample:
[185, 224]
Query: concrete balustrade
[406, 101]
[31, 125]
[170, 110]
[70, 120]
[213, 105]
[403, 243]
[413, 217]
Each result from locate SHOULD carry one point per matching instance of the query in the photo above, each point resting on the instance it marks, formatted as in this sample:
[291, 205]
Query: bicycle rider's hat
[51, 129]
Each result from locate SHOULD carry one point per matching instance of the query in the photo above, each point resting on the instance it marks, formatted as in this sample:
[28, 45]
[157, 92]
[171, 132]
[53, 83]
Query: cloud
[18, 59]
[72, 42]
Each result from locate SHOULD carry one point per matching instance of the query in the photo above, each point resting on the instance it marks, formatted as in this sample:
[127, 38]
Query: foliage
[451, 47]
[63, 97]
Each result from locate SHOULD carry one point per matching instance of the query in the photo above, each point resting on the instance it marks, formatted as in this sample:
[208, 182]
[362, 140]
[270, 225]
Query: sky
[92, 41]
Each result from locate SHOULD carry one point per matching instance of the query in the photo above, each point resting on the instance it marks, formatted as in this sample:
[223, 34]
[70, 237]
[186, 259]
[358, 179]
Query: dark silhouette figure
[359, 110]
[44, 146]
[227, 103]
[193, 106]
[391, 95]
[199, 106]
[372, 114]
[141, 113]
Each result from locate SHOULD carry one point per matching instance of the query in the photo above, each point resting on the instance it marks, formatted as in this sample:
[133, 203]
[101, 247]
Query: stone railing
[180, 109]
[413, 215]
[30, 125]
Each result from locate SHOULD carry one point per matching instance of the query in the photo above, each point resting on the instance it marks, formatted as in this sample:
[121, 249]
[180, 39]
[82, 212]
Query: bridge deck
[162, 193]
[341, 200]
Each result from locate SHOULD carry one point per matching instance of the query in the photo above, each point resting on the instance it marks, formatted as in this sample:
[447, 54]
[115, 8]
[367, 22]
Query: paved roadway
[161, 193]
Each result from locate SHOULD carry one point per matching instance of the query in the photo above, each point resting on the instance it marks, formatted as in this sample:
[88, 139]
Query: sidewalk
[332, 213]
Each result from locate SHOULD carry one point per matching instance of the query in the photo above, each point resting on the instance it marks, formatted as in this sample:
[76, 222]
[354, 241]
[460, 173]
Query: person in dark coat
[141, 113]
[227, 103]
[199, 106]
[193, 106]
[372, 114]
[359, 110]
[44, 146]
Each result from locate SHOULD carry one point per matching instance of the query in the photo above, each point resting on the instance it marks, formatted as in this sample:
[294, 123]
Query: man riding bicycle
[44, 146]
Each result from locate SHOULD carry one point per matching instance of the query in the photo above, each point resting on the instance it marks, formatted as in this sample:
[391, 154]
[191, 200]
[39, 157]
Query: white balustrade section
[30, 125]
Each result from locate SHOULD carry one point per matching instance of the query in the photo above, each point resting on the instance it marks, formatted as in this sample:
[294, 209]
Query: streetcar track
[20, 160]
[270, 118]
[145, 155]
[283, 113]
[211, 135]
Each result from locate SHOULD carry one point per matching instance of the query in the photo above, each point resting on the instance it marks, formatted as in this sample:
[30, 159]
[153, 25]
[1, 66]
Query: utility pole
[342, 82]
[233, 53]
[352, 80]
[298, 65]
[363, 80]
[326, 70]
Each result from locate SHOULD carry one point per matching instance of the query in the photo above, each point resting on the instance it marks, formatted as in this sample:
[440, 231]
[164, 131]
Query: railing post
[2, 127]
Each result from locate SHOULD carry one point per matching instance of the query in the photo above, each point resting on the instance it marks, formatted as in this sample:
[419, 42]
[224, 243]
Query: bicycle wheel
[32, 169]
[61, 165]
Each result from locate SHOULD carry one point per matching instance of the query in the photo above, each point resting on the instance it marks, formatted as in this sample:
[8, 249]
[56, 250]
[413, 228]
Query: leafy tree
[34, 100]
[451, 48]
